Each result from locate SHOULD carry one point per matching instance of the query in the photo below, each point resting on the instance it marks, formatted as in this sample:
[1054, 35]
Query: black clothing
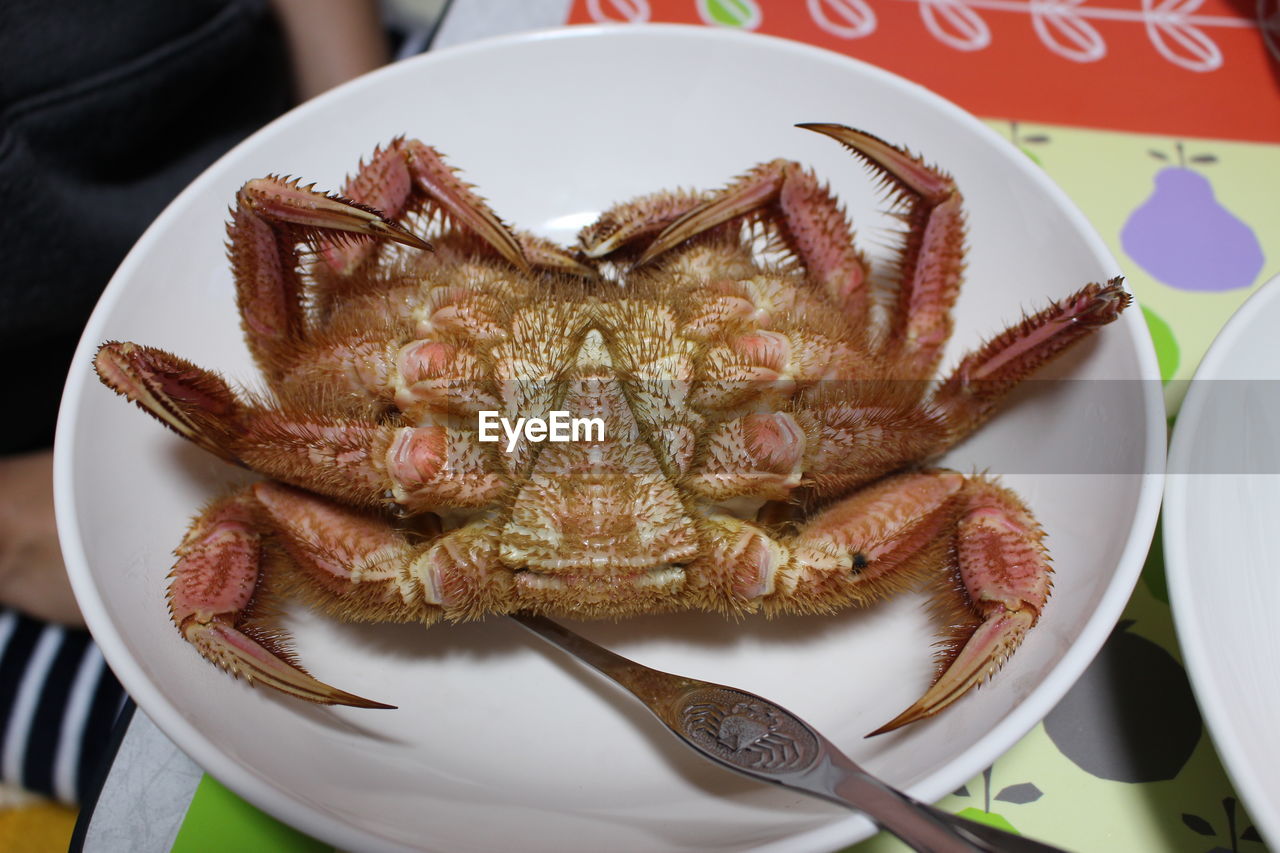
[108, 108]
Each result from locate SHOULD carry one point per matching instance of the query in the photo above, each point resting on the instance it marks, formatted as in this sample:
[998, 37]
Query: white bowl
[499, 742]
[1221, 503]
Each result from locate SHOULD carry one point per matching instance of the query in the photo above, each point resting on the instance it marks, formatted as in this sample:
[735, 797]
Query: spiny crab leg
[752, 192]
[194, 403]
[811, 220]
[625, 224]
[285, 202]
[1005, 570]
[350, 563]
[361, 462]
[408, 174]
[271, 217]
[885, 537]
[212, 594]
[974, 389]
[546, 255]
[931, 259]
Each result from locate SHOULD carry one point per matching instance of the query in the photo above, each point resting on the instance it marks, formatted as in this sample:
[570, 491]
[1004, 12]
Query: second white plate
[1221, 510]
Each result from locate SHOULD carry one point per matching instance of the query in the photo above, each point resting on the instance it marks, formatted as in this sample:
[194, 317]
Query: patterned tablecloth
[1161, 119]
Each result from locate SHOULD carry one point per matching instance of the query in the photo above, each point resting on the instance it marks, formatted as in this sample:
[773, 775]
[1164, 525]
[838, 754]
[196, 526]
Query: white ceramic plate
[499, 743]
[1221, 507]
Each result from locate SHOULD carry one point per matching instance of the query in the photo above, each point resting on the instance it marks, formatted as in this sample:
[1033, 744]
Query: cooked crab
[758, 436]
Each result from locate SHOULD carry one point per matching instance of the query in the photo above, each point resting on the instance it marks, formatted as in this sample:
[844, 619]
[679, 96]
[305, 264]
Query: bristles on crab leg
[438, 181]
[283, 202]
[407, 178]
[362, 462]
[1006, 577]
[272, 217]
[352, 562]
[212, 595]
[754, 191]
[369, 465]
[193, 402]
[982, 379]
[906, 170]
[810, 221]
[851, 443]
[546, 255]
[897, 532]
[931, 257]
[629, 222]
[760, 455]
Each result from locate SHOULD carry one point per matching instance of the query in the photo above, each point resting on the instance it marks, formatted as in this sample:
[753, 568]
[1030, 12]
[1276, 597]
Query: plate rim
[256, 790]
[1237, 758]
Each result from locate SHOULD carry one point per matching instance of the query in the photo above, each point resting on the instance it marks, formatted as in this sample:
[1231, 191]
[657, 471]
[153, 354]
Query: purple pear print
[1184, 237]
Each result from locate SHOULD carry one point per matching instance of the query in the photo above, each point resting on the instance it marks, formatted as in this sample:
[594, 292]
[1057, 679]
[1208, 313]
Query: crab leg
[627, 223]
[827, 449]
[196, 404]
[543, 254]
[351, 563]
[893, 534]
[810, 219]
[358, 461]
[972, 392]
[212, 597]
[932, 256]
[272, 216]
[407, 176]
[1006, 577]
[358, 565]
[757, 455]
[855, 436]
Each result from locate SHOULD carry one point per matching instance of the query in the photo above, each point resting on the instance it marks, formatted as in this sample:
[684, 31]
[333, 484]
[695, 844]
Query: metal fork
[760, 739]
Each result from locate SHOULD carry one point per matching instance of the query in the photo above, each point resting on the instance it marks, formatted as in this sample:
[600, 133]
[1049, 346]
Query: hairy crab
[766, 411]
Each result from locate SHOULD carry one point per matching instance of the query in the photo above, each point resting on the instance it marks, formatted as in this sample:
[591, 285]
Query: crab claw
[987, 649]
[894, 163]
[983, 377]
[241, 655]
[211, 600]
[1005, 573]
[195, 403]
[752, 192]
[283, 201]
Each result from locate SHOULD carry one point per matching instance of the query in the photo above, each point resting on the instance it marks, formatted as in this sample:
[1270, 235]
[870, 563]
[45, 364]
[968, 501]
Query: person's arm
[331, 41]
[32, 577]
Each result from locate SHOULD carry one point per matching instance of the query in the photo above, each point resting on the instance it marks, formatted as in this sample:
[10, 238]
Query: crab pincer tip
[341, 697]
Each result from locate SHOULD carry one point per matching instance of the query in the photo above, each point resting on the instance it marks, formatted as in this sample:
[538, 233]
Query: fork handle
[690, 708]
[831, 776]
[887, 808]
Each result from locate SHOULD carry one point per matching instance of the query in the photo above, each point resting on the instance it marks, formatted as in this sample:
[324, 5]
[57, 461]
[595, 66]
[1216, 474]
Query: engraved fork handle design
[760, 739]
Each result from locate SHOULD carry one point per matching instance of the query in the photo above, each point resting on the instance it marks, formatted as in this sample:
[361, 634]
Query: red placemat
[1176, 67]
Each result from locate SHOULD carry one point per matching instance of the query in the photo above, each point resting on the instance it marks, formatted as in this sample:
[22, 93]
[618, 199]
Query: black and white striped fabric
[58, 701]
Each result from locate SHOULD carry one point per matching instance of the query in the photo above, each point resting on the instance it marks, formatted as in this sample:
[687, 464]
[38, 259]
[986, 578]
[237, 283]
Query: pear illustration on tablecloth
[1131, 717]
[1184, 237]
